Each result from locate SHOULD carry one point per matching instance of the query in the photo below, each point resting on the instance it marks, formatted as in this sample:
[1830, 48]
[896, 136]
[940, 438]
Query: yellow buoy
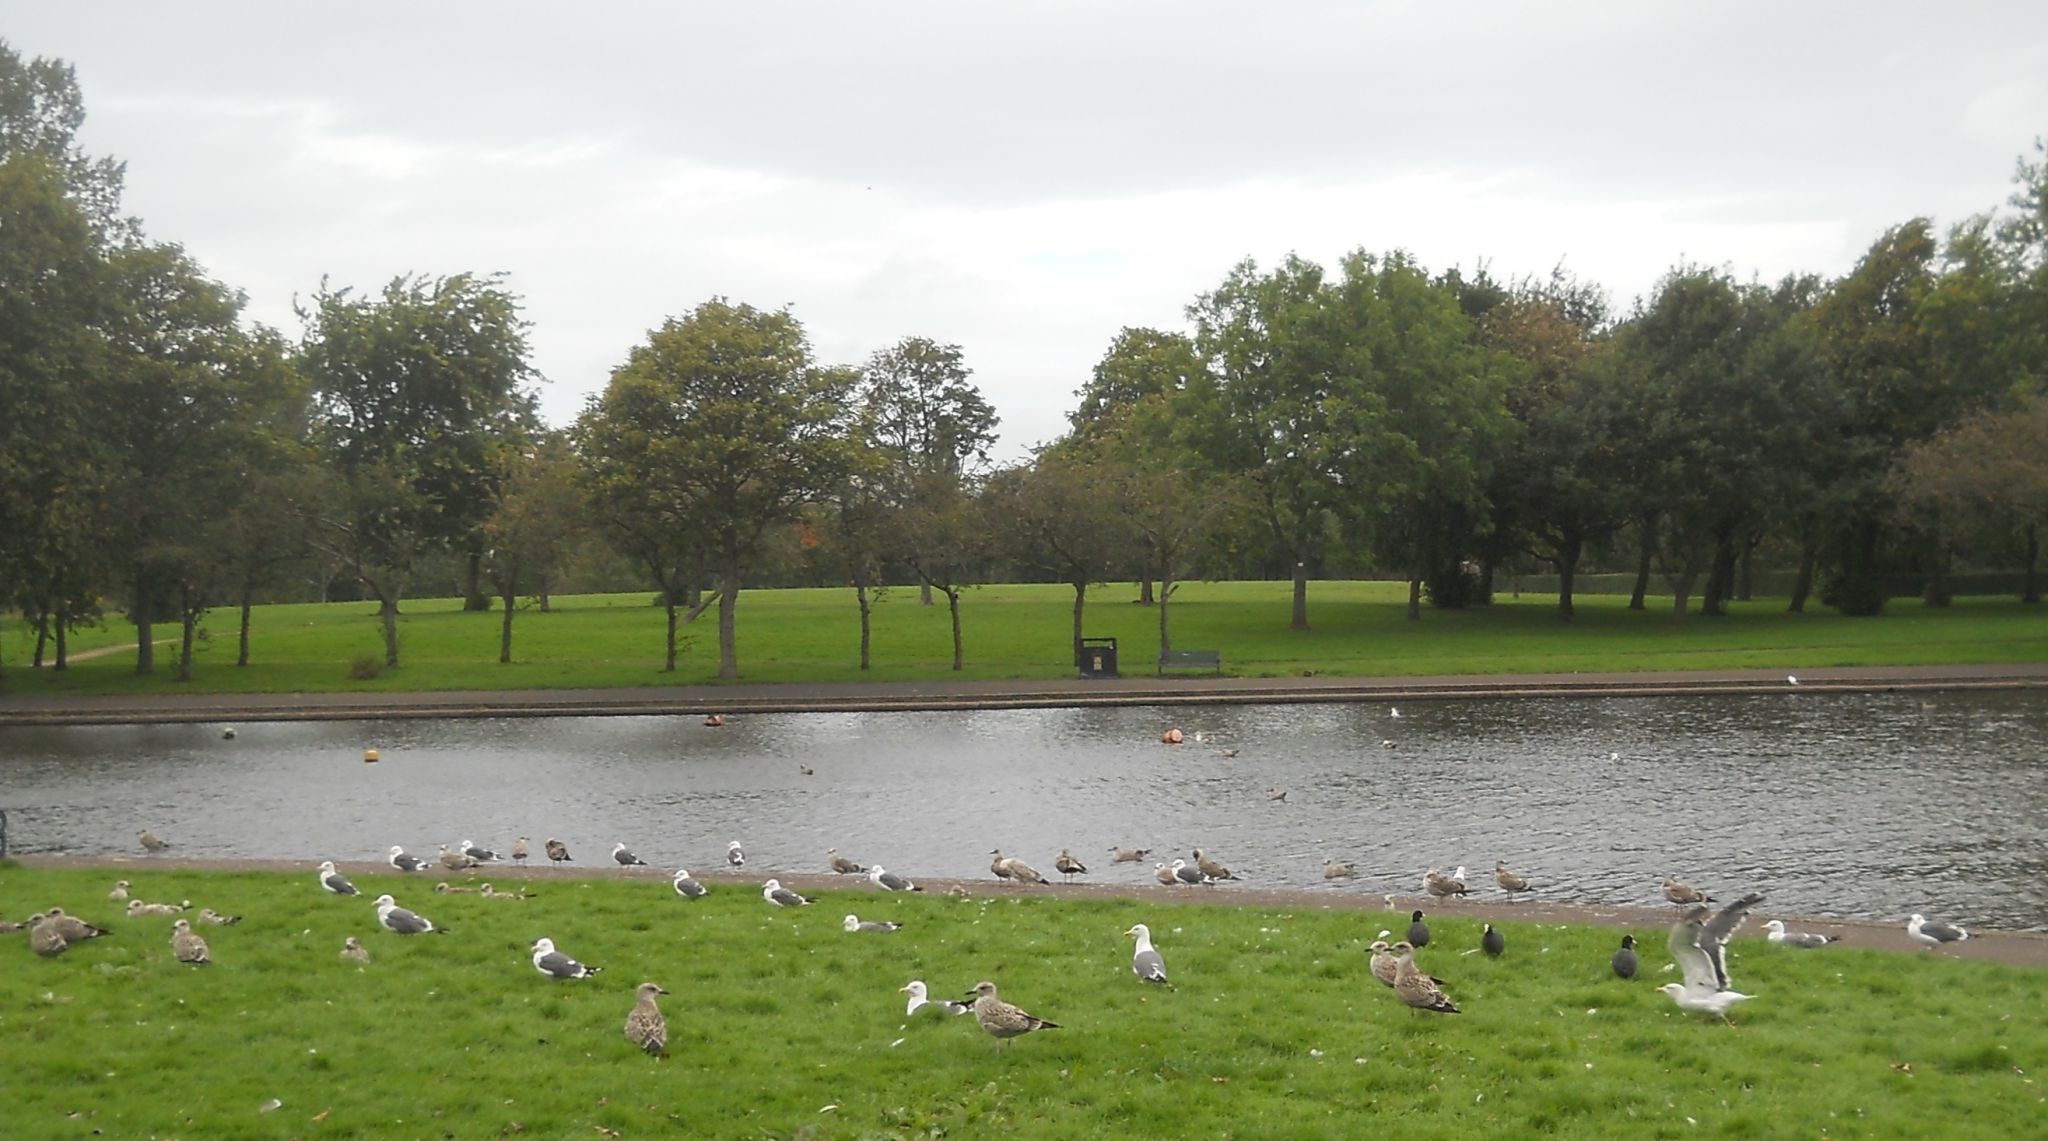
[369, 756]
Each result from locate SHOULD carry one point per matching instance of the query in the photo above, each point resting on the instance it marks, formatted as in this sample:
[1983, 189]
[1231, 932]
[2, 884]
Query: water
[1867, 806]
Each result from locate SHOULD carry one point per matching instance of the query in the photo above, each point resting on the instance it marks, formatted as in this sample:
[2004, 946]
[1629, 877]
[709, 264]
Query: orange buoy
[1171, 737]
[369, 756]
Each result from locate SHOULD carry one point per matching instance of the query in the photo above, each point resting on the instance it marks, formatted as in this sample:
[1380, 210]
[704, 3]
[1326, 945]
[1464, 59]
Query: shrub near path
[782, 1025]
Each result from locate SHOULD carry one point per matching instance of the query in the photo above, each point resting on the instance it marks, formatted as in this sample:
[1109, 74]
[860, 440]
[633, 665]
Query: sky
[1024, 179]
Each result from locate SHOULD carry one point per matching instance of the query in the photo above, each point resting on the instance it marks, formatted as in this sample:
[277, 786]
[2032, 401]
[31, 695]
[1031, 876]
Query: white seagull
[624, 858]
[1184, 874]
[334, 881]
[556, 965]
[856, 923]
[1925, 930]
[1705, 989]
[1776, 930]
[890, 881]
[918, 1000]
[403, 862]
[780, 896]
[689, 888]
[399, 921]
[734, 856]
[480, 855]
[1146, 963]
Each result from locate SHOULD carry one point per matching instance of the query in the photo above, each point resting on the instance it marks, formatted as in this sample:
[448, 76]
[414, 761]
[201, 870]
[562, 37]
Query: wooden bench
[1191, 660]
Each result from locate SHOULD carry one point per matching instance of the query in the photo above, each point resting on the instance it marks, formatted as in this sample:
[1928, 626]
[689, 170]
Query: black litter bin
[1096, 657]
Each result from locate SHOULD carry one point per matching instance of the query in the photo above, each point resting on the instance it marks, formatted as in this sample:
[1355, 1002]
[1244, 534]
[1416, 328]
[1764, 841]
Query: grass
[783, 1026]
[1022, 631]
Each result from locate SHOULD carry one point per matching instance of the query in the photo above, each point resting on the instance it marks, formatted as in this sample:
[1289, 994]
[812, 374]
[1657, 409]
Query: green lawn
[781, 1025]
[1022, 631]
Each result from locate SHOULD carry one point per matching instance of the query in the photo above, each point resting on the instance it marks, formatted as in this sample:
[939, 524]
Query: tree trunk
[1080, 600]
[188, 621]
[2030, 585]
[1145, 596]
[1681, 590]
[1299, 621]
[1720, 568]
[1567, 562]
[1647, 540]
[242, 651]
[1165, 592]
[924, 594]
[728, 612]
[1745, 573]
[145, 625]
[387, 611]
[42, 638]
[508, 594]
[1415, 596]
[953, 605]
[860, 595]
[668, 603]
[63, 661]
[473, 585]
[1802, 582]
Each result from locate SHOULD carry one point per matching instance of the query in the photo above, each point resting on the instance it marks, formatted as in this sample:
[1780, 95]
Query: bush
[366, 667]
[1860, 596]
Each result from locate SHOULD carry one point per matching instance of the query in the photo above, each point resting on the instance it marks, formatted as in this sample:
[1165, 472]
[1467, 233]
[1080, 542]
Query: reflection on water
[1872, 805]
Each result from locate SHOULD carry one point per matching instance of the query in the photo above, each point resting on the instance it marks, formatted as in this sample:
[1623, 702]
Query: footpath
[702, 700]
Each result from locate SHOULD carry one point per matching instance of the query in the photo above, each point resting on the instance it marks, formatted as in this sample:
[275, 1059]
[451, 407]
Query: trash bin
[1096, 657]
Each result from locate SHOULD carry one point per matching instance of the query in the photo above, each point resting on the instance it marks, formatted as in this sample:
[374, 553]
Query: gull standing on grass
[920, 1001]
[399, 921]
[645, 1026]
[1146, 962]
[1419, 991]
[556, 965]
[1383, 962]
[188, 946]
[1776, 930]
[1925, 930]
[1001, 1019]
[1711, 935]
[689, 888]
[334, 881]
[1703, 991]
[780, 896]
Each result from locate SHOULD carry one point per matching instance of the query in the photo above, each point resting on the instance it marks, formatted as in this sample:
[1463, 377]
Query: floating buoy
[227, 733]
[715, 720]
[1171, 737]
[369, 756]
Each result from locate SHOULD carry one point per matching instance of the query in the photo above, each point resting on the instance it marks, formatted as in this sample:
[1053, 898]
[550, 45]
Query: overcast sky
[1024, 179]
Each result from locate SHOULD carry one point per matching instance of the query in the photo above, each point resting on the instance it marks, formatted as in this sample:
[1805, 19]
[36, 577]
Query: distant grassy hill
[1022, 631]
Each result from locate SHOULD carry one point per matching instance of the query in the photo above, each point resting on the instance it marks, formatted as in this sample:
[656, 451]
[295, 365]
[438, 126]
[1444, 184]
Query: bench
[1191, 660]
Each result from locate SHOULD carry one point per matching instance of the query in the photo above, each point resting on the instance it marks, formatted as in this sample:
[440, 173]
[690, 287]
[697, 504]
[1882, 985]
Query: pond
[1860, 806]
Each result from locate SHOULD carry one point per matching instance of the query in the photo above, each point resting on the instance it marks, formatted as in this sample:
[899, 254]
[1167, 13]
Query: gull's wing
[1685, 951]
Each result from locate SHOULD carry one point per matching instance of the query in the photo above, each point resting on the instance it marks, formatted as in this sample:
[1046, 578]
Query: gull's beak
[904, 989]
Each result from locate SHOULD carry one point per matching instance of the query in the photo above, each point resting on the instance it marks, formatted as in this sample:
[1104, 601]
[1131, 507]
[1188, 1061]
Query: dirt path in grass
[2015, 948]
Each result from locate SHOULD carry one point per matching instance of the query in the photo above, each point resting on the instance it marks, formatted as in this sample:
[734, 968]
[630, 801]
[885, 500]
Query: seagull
[456, 861]
[399, 921]
[490, 892]
[805, 769]
[734, 856]
[556, 965]
[1925, 930]
[1164, 875]
[138, 909]
[1440, 885]
[645, 1026]
[1418, 990]
[404, 863]
[334, 881]
[1704, 990]
[1066, 865]
[1394, 711]
[1509, 882]
[1418, 931]
[1184, 874]
[714, 720]
[480, 855]
[1276, 794]
[1624, 960]
[120, 890]
[1791, 679]
[188, 947]
[1491, 942]
[1001, 1019]
[780, 896]
[209, 915]
[1146, 962]
[1711, 935]
[624, 858]
[1211, 868]
[519, 852]
[1776, 930]
[149, 841]
[351, 948]
[43, 938]
[1016, 869]
[1333, 870]
[842, 865]
[72, 929]
[1128, 855]
[687, 887]
[557, 851]
[999, 865]
[444, 888]
[855, 923]
[1682, 893]
[890, 881]
[1383, 961]
[918, 1000]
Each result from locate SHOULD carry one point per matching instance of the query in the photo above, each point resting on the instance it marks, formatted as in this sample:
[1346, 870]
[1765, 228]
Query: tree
[1061, 518]
[719, 424]
[420, 396]
[1144, 374]
[1987, 475]
[919, 410]
[537, 518]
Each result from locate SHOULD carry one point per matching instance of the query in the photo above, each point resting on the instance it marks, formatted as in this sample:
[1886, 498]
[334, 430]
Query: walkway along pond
[1868, 805]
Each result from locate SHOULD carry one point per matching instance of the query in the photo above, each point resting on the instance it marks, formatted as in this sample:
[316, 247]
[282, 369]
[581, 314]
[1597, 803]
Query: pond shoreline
[2011, 948]
[744, 698]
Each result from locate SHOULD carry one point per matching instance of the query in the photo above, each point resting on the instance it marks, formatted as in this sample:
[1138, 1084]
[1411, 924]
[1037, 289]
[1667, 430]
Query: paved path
[883, 696]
